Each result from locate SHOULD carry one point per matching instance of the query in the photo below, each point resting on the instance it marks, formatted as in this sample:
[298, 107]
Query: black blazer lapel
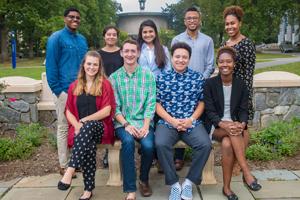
[220, 93]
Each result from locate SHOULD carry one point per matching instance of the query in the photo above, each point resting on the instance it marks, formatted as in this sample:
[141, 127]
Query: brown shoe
[63, 170]
[145, 189]
[159, 168]
[179, 164]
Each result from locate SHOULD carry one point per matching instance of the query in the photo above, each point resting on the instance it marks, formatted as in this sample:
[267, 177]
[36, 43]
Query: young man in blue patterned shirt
[179, 103]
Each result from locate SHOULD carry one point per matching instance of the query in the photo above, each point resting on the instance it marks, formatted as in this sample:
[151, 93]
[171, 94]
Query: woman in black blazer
[226, 105]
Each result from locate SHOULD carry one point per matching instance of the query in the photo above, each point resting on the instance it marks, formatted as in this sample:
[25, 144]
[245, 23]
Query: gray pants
[197, 139]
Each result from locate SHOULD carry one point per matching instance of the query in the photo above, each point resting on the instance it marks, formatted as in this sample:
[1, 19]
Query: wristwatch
[193, 120]
[125, 124]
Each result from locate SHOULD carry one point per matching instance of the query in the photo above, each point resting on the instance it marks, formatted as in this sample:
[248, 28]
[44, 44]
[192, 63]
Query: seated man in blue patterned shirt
[179, 103]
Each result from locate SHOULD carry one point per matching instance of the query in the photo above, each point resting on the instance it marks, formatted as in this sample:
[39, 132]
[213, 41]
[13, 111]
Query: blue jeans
[127, 158]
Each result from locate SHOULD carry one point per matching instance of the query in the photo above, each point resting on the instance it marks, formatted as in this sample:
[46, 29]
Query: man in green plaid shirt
[135, 93]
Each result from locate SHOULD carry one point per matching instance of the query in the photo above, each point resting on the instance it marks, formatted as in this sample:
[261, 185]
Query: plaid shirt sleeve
[115, 88]
[151, 97]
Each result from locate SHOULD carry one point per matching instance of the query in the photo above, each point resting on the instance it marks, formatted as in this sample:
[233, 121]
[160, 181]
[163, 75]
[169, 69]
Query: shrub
[276, 141]
[28, 138]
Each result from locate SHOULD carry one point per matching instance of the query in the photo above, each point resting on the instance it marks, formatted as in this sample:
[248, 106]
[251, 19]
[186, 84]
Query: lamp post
[13, 49]
[142, 4]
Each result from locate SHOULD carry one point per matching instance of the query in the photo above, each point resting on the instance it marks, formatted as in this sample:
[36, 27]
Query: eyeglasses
[72, 17]
[191, 19]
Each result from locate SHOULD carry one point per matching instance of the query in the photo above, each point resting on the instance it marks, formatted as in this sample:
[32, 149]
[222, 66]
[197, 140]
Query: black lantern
[142, 4]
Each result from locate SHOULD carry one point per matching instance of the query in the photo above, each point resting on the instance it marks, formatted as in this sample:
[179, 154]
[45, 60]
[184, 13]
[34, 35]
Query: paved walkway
[277, 61]
[277, 184]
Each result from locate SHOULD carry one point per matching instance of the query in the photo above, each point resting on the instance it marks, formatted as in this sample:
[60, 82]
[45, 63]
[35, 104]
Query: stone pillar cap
[276, 79]
[20, 84]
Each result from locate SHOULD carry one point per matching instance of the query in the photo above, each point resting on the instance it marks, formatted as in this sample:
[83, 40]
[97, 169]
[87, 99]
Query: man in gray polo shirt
[202, 59]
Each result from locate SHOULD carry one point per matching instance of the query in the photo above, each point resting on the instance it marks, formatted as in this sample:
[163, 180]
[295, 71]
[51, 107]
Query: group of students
[140, 92]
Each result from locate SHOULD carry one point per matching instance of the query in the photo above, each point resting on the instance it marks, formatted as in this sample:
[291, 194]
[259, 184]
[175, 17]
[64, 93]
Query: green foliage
[256, 21]
[166, 36]
[123, 36]
[52, 140]
[34, 21]
[28, 138]
[278, 140]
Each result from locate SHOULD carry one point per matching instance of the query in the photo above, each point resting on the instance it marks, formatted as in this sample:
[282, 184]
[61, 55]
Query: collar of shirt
[137, 69]
[69, 31]
[177, 74]
[150, 52]
[189, 37]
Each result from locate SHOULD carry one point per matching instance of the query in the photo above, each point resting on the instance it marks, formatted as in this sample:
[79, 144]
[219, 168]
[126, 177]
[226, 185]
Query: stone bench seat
[115, 175]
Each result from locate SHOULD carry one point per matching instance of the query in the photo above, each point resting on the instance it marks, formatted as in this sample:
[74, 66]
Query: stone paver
[35, 194]
[214, 192]
[2, 191]
[278, 190]
[45, 187]
[219, 175]
[297, 173]
[52, 180]
[275, 175]
[99, 193]
[8, 184]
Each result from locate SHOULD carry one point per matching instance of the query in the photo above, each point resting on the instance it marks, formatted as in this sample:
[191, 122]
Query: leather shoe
[145, 189]
[159, 168]
[88, 198]
[63, 186]
[254, 186]
[231, 196]
[179, 164]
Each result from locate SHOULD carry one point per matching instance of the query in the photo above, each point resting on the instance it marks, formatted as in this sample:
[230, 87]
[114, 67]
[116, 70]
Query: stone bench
[115, 176]
[47, 99]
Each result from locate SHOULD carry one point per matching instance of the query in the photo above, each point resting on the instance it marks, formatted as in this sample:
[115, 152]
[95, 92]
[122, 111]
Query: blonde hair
[81, 86]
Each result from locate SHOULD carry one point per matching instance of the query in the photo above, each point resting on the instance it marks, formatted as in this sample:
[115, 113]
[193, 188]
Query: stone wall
[18, 108]
[18, 102]
[274, 104]
[276, 97]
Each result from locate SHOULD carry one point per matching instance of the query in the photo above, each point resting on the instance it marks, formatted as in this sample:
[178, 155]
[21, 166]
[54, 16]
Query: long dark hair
[160, 55]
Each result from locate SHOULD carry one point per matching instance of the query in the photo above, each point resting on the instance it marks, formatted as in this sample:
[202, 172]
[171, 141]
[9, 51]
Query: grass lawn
[263, 60]
[32, 72]
[25, 67]
[291, 67]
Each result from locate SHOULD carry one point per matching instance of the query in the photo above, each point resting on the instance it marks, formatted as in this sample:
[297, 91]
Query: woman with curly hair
[226, 104]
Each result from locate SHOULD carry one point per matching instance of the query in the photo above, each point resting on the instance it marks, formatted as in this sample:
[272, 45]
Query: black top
[86, 105]
[112, 61]
[244, 67]
[214, 100]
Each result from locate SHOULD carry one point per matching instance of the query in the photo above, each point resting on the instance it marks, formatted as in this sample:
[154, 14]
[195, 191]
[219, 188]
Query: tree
[34, 21]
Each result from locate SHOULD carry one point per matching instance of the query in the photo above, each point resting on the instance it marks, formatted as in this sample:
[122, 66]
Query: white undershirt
[227, 97]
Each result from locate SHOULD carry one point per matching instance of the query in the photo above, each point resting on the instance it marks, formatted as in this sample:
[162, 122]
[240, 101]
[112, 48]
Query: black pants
[84, 151]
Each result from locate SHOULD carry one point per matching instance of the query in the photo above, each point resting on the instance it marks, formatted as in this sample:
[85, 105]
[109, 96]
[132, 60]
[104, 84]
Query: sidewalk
[277, 184]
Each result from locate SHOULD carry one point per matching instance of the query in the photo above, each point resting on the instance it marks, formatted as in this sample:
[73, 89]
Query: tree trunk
[30, 45]
[4, 45]
[3, 40]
